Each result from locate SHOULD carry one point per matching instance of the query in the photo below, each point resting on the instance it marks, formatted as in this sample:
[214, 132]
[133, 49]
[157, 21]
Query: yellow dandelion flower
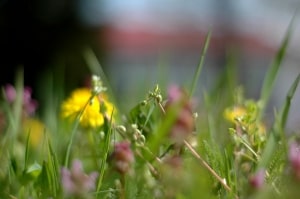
[36, 129]
[231, 114]
[93, 115]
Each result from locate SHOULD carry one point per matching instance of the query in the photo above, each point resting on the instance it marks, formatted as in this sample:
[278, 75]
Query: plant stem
[104, 159]
[206, 165]
[76, 124]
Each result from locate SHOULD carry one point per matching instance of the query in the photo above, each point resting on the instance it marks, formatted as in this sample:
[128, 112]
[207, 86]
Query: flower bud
[294, 158]
[121, 129]
[122, 157]
[75, 182]
[257, 180]
[29, 104]
[185, 122]
[97, 86]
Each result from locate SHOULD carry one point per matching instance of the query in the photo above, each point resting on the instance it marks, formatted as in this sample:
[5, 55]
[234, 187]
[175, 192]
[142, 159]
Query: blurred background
[142, 42]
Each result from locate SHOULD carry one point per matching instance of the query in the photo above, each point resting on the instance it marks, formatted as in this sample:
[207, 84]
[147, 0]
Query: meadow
[170, 144]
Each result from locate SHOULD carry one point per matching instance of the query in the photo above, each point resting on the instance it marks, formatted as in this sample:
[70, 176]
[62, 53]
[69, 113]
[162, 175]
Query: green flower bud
[97, 86]
[121, 129]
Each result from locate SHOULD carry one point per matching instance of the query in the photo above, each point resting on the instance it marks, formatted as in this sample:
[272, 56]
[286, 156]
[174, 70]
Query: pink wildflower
[75, 182]
[10, 93]
[29, 104]
[257, 180]
[122, 157]
[184, 124]
[294, 158]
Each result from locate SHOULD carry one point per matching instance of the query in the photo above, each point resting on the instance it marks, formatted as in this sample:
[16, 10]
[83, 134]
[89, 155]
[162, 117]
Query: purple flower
[122, 157]
[75, 181]
[10, 93]
[29, 104]
[257, 180]
[294, 158]
[184, 124]
[174, 94]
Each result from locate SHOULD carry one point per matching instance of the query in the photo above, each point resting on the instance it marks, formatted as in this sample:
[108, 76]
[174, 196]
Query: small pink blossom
[10, 93]
[75, 181]
[257, 180]
[122, 157]
[184, 124]
[29, 104]
[294, 158]
[175, 94]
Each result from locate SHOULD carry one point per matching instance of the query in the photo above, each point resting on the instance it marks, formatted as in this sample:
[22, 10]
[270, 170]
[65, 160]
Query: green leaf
[34, 170]
[136, 115]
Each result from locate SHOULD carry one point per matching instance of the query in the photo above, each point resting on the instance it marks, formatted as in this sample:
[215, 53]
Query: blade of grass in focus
[272, 72]
[200, 65]
[277, 132]
[287, 104]
[105, 155]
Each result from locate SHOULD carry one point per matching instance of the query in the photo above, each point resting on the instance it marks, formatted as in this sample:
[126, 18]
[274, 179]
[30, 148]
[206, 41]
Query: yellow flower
[93, 115]
[231, 114]
[36, 130]
[260, 128]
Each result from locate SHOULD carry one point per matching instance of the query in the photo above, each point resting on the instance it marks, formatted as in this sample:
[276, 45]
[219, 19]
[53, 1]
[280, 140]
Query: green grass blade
[149, 114]
[96, 69]
[288, 100]
[19, 85]
[14, 112]
[273, 70]
[277, 132]
[200, 65]
[93, 63]
[27, 151]
[105, 155]
[76, 124]
[53, 167]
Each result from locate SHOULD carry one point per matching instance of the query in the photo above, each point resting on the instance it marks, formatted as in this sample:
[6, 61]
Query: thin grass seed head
[97, 85]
